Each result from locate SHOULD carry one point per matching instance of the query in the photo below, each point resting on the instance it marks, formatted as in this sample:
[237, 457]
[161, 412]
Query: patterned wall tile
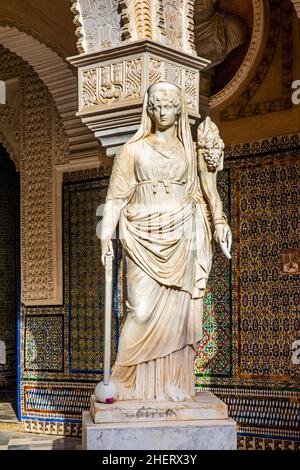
[214, 353]
[86, 277]
[44, 342]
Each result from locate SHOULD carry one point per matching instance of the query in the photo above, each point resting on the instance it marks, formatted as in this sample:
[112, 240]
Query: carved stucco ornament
[98, 24]
[217, 32]
[112, 84]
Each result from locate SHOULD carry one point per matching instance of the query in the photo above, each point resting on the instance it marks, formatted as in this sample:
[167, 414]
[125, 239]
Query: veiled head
[164, 104]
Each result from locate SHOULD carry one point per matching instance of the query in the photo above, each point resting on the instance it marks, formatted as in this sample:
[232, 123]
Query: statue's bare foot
[123, 393]
[176, 394]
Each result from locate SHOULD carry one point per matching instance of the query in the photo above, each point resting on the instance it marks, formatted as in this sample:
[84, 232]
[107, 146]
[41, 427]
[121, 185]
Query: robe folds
[167, 244]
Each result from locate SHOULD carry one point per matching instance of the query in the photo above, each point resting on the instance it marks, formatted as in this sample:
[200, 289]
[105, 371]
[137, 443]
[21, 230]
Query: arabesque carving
[42, 143]
[160, 31]
[133, 78]
[113, 82]
[7, 112]
[98, 24]
[40, 208]
[155, 70]
[173, 22]
[143, 19]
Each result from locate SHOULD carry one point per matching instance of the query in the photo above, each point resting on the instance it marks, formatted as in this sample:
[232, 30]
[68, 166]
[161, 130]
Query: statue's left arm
[210, 162]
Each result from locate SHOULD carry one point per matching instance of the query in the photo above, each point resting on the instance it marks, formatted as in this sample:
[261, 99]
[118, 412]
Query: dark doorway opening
[9, 284]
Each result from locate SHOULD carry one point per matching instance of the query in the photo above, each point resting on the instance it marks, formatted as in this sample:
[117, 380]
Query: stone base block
[160, 435]
[204, 406]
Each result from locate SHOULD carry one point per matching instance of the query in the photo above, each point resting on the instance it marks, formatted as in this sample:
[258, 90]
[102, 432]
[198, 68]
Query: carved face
[163, 112]
[204, 5]
[164, 105]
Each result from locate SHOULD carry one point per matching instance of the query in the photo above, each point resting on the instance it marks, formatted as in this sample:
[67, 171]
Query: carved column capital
[102, 24]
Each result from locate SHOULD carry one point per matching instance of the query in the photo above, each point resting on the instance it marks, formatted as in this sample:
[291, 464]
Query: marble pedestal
[202, 424]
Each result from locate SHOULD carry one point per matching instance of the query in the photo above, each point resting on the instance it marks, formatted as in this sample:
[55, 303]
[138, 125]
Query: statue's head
[164, 104]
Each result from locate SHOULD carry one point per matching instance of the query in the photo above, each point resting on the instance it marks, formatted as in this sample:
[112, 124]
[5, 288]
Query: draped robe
[167, 245]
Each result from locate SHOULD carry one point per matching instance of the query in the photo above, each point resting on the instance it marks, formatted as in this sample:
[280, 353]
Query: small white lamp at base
[106, 393]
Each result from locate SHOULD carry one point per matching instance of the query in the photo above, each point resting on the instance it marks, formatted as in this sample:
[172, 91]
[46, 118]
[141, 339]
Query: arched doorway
[9, 281]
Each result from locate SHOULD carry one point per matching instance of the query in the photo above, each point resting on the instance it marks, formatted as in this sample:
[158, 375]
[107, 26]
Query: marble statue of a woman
[169, 213]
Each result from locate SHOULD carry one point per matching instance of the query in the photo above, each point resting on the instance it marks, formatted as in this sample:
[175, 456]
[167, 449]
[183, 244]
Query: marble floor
[29, 441]
[7, 413]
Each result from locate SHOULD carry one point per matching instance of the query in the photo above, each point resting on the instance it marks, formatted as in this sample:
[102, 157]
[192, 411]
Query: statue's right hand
[106, 247]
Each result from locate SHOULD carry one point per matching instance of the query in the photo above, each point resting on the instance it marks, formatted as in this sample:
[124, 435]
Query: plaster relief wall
[9, 264]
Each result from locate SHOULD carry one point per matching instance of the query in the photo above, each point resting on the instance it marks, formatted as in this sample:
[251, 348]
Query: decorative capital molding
[97, 24]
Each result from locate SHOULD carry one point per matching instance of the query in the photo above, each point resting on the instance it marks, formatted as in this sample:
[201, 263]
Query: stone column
[125, 46]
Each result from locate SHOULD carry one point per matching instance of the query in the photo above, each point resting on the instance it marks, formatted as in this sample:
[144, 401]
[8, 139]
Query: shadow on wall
[9, 268]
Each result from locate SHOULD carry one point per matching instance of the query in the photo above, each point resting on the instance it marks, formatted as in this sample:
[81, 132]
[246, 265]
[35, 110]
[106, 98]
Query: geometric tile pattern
[9, 253]
[56, 400]
[263, 392]
[264, 302]
[257, 411]
[268, 217]
[44, 342]
[267, 442]
[245, 359]
[263, 388]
